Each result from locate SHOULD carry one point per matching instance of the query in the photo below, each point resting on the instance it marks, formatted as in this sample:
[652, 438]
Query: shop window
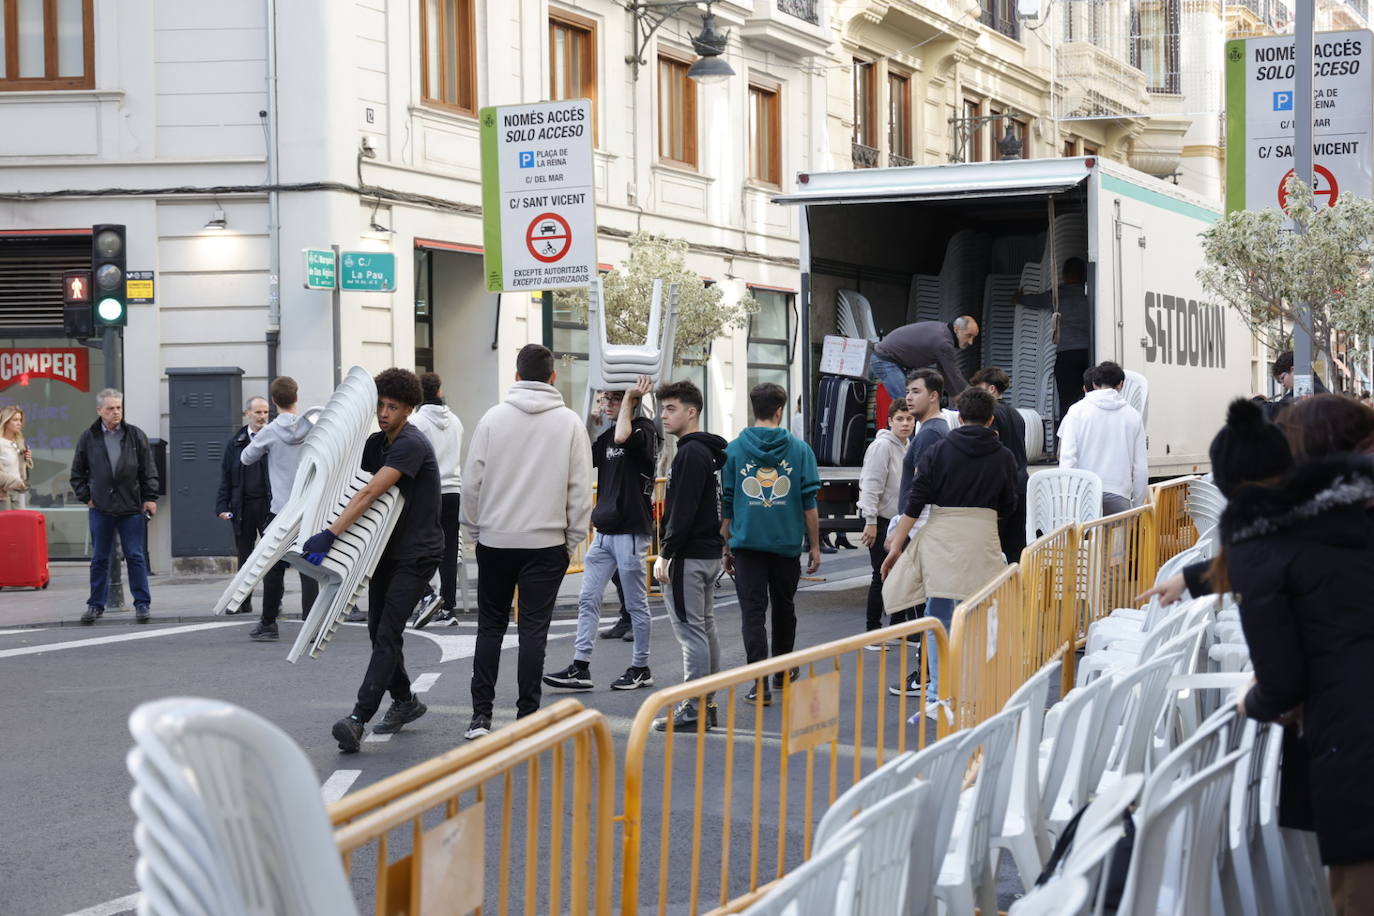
[572, 58]
[765, 135]
[677, 112]
[449, 66]
[47, 44]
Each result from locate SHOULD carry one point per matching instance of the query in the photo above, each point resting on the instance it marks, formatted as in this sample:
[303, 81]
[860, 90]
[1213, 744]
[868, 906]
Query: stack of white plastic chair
[854, 315]
[998, 330]
[962, 274]
[1032, 369]
[1035, 433]
[1070, 241]
[230, 820]
[1204, 504]
[326, 479]
[1136, 392]
[1134, 622]
[1121, 650]
[1059, 497]
[619, 366]
[923, 300]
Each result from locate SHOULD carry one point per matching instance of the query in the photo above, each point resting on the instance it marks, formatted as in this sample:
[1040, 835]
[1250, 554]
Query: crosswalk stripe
[338, 784]
[122, 637]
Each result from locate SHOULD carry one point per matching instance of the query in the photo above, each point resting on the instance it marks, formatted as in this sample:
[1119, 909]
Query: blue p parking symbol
[527, 157]
[1283, 101]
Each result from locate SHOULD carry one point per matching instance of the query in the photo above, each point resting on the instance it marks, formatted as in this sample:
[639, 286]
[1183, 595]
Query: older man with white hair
[114, 474]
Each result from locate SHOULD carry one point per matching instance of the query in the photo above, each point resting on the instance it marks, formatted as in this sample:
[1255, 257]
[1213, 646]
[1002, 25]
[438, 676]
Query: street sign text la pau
[351, 271]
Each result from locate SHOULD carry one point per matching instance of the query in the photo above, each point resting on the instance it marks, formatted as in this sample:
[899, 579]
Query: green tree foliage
[1261, 268]
[702, 315]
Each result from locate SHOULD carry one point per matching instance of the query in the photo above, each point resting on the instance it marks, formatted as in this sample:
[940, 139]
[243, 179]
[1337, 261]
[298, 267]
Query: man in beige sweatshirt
[527, 499]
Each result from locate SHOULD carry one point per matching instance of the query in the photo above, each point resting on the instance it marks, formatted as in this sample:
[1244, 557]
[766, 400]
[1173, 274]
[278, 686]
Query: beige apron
[956, 553]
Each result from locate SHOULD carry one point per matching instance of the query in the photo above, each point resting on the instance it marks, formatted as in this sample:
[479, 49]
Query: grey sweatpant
[691, 598]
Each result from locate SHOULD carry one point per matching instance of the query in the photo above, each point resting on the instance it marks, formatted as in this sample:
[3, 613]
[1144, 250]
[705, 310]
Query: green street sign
[320, 268]
[367, 271]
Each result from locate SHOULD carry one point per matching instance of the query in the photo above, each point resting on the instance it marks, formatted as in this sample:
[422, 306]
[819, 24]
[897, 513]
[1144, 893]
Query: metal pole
[337, 306]
[1302, 167]
[113, 347]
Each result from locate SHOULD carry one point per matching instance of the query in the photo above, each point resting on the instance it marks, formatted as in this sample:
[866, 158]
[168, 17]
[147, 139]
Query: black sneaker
[577, 676]
[399, 714]
[480, 727]
[910, 685]
[348, 731]
[92, 615]
[264, 632]
[429, 606]
[685, 718]
[793, 675]
[753, 694]
[356, 616]
[619, 631]
[633, 678]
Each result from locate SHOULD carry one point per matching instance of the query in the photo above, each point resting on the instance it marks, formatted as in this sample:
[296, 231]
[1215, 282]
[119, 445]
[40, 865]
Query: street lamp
[709, 67]
[1009, 147]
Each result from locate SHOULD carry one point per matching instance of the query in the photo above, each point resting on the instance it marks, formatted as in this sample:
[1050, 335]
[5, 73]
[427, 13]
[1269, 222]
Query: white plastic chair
[854, 315]
[1035, 433]
[941, 767]
[1061, 496]
[1060, 897]
[1255, 875]
[891, 777]
[967, 874]
[612, 366]
[230, 817]
[885, 834]
[1175, 874]
[821, 886]
[1072, 729]
[1135, 391]
[1022, 831]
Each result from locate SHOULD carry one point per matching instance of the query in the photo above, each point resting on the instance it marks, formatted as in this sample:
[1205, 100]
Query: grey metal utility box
[206, 411]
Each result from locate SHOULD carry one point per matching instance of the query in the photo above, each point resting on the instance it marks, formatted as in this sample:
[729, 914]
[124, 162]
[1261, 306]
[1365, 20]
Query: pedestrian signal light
[76, 304]
[109, 273]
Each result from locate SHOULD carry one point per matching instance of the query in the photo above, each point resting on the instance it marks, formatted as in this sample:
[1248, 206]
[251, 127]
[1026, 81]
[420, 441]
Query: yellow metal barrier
[987, 657]
[1172, 522]
[436, 816]
[1116, 563]
[1049, 602]
[838, 710]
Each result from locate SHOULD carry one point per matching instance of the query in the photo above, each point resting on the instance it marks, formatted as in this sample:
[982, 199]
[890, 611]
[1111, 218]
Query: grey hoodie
[527, 482]
[281, 442]
[880, 481]
[445, 432]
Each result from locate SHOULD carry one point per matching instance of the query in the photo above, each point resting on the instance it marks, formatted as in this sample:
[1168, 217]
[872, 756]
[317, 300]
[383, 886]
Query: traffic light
[108, 257]
[76, 304]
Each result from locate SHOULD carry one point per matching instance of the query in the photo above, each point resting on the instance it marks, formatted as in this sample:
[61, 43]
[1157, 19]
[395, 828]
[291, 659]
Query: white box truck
[937, 242]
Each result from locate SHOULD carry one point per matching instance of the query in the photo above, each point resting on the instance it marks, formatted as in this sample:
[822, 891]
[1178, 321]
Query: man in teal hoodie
[769, 486]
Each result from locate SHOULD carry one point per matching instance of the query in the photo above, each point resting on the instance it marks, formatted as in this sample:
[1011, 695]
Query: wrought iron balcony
[809, 10]
[865, 157]
[895, 161]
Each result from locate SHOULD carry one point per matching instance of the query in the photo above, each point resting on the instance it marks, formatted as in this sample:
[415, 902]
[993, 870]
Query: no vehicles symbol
[1324, 185]
[549, 237]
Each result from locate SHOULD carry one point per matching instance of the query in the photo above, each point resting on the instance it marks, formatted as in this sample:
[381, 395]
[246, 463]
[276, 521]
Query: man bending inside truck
[923, 345]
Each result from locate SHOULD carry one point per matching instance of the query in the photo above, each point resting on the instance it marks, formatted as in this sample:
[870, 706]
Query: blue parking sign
[527, 159]
[1283, 100]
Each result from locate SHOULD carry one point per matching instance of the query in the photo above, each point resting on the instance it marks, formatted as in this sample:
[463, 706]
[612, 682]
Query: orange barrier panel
[1176, 531]
[437, 816]
[987, 653]
[777, 769]
[1049, 602]
[1116, 563]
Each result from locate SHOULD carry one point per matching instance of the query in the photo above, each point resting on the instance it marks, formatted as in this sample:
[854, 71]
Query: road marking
[837, 585]
[110, 907]
[424, 682]
[123, 637]
[375, 738]
[455, 646]
[338, 784]
[22, 632]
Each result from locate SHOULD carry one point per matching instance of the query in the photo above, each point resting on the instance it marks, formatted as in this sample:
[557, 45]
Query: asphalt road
[68, 844]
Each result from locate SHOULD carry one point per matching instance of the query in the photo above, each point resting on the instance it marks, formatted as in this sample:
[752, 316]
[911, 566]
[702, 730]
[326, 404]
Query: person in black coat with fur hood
[1298, 551]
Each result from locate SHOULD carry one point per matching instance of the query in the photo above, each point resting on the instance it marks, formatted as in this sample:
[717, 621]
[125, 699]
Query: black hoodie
[691, 524]
[967, 468]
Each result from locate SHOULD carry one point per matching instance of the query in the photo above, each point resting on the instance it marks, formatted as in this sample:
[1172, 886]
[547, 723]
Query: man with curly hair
[399, 455]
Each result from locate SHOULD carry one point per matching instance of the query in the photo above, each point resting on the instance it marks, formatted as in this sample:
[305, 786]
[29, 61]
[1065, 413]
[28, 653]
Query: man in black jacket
[114, 474]
[1010, 427]
[245, 497]
[689, 558]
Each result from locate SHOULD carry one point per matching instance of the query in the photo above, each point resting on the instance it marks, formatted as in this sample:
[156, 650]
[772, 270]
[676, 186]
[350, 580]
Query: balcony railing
[865, 157]
[896, 161]
[809, 10]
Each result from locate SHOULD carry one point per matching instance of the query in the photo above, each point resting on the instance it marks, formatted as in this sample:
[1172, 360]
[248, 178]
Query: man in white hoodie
[280, 442]
[1105, 435]
[527, 499]
[445, 432]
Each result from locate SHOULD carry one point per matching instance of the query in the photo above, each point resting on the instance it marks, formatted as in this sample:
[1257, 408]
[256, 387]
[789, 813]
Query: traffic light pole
[112, 343]
[1302, 167]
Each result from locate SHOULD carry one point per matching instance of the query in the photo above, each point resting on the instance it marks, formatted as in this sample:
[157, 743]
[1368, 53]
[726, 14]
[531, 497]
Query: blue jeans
[889, 374]
[609, 553]
[942, 609]
[131, 530]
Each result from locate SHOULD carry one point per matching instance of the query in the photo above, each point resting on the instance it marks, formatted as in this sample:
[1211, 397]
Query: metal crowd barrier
[778, 769]
[424, 831]
[1116, 563]
[1172, 522]
[987, 660]
[1049, 602]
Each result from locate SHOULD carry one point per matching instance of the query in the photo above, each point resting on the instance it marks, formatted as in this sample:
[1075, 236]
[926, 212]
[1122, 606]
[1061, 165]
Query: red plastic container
[23, 550]
[884, 401]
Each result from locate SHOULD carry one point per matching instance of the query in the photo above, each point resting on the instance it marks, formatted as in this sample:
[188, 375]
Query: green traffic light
[110, 310]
